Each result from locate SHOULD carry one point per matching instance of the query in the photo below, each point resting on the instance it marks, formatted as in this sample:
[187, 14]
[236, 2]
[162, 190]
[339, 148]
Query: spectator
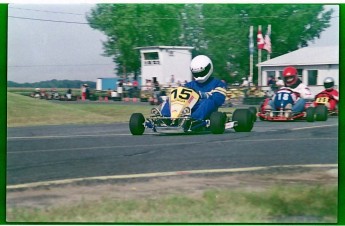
[245, 82]
[272, 84]
[156, 90]
[83, 91]
[172, 81]
[135, 84]
[245, 86]
[120, 88]
[109, 93]
[87, 92]
[69, 94]
[280, 82]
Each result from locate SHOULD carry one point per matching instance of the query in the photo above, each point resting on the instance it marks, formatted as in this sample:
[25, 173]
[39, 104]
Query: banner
[260, 40]
[267, 45]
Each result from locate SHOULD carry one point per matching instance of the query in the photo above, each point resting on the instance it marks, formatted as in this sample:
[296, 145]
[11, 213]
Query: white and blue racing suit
[212, 96]
[301, 94]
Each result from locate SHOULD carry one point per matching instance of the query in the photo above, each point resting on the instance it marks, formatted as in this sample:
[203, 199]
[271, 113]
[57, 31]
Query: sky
[44, 50]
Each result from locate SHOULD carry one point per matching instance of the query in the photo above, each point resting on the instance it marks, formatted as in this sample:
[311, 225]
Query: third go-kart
[181, 102]
[322, 107]
[280, 112]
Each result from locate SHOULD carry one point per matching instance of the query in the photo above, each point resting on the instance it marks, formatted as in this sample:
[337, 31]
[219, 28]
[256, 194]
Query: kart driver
[299, 89]
[330, 92]
[212, 91]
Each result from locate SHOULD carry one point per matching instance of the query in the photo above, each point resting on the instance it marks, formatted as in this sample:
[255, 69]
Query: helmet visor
[289, 79]
[202, 73]
[328, 85]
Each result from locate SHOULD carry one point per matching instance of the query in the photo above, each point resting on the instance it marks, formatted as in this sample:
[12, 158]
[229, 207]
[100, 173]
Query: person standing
[120, 88]
[172, 81]
[156, 90]
[83, 92]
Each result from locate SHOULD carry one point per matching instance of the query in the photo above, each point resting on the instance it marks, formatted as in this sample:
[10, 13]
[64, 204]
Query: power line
[56, 21]
[60, 65]
[47, 11]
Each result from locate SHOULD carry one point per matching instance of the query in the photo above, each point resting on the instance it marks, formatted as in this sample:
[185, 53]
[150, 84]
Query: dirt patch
[191, 185]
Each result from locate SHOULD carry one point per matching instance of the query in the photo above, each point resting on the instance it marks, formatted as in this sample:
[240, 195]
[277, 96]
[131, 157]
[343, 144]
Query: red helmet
[290, 76]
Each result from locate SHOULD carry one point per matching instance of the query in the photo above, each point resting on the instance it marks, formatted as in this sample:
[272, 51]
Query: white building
[164, 61]
[314, 64]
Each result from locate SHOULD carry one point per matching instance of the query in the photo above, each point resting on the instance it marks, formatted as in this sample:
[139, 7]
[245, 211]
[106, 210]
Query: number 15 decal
[181, 93]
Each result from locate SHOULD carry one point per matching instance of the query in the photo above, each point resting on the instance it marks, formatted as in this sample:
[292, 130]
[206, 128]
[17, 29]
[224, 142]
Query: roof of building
[306, 56]
[165, 47]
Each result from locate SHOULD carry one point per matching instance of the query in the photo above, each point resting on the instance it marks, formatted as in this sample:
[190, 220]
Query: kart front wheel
[254, 111]
[136, 124]
[310, 114]
[244, 119]
[217, 122]
[321, 113]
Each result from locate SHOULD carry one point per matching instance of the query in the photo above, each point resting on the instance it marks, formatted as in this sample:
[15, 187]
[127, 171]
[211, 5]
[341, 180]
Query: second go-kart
[282, 110]
[181, 102]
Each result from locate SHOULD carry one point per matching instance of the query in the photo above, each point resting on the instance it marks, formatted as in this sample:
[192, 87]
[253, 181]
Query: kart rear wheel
[244, 120]
[254, 111]
[217, 122]
[321, 113]
[310, 114]
[136, 124]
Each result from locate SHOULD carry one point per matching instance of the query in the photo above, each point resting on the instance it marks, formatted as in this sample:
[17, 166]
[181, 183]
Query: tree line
[53, 84]
[218, 30]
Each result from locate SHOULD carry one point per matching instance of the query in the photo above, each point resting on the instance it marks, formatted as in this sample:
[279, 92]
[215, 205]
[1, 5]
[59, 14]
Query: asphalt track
[78, 152]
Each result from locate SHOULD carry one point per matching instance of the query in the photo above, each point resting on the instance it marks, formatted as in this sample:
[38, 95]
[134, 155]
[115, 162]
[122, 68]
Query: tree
[228, 26]
[128, 26]
[217, 30]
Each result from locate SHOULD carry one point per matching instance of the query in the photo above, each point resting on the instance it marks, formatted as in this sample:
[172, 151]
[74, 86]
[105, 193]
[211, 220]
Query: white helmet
[202, 68]
[328, 83]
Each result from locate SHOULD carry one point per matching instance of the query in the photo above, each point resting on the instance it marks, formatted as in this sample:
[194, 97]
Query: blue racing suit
[212, 96]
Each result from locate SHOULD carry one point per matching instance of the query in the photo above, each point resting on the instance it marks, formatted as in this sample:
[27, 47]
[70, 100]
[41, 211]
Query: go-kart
[322, 107]
[281, 112]
[182, 101]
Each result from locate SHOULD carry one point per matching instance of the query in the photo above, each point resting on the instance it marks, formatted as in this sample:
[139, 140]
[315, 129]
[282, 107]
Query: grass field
[27, 111]
[278, 204]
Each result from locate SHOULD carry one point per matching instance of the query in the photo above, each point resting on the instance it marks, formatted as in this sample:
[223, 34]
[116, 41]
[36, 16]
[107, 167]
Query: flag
[267, 45]
[260, 40]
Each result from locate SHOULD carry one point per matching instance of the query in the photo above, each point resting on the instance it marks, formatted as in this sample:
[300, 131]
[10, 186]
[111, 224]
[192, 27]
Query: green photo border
[3, 107]
[3, 115]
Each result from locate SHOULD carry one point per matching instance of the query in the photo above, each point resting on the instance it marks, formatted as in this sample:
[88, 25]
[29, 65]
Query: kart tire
[244, 120]
[254, 111]
[321, 113]
[310, 114]
[136, 124]
[217, 122]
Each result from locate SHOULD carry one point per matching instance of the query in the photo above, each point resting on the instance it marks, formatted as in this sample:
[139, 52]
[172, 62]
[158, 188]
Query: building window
[151, 58]
[271, 74]
[312, 77]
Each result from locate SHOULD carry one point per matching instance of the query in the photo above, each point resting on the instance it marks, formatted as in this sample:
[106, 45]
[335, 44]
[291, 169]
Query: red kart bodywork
[281, 114]
[322, 99]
